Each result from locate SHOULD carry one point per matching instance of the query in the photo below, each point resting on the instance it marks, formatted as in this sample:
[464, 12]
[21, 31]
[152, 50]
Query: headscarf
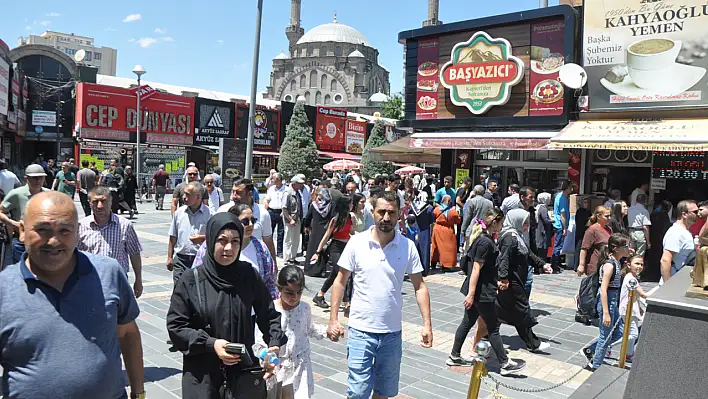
[420, 204]
[513, 224]
[323, 202]
[222, 277]
[446, 208]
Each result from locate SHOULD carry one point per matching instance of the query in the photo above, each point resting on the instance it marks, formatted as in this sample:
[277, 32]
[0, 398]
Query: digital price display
[690, 165]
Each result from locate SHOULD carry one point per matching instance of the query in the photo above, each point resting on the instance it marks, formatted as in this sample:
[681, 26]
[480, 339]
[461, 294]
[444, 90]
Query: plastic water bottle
[269, 357]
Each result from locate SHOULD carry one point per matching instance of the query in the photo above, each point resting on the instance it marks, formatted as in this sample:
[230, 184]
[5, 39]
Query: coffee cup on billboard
[650, 61]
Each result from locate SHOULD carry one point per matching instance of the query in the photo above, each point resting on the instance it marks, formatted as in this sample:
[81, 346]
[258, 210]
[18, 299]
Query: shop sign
[15, 89]
[547, 45]
[481, 73]
[356, 133]
[108, 112]
[681, 165]
[12, 120]
[213, 120]
[21, 123]
[266, 125]
[330, 127]
[234, 159]
[658, 184]
[145, 92]
[427, 80]
[4, 86]
[646, 54]
[44, 118]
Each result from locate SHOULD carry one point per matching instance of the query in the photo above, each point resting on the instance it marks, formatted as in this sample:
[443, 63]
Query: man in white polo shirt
[379, 259]
[275, 200]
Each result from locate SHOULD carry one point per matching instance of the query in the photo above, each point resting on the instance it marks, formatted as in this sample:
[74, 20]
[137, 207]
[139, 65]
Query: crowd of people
[235, 309]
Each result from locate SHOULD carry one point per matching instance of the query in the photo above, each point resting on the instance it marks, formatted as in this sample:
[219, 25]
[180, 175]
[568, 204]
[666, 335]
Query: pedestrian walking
[106, 234]
[379, 260]
[130, 187]
[65, 181]
[275, 200]
[8, 180]
[424, 218]
[87, 180]
[210, 320]
[15, 202]
[544, 229]
[160, 181]
[512, 264]
[44, 346]
[322, 211]
[187, 230]
[216, 196]
[294, 378]
[192, 174]
[444, 249]
[610, 281]
[639, 222]
[630, 278]
[217, 176]
[561, 213]
[475, 208]
[678, 242]
[292, 216]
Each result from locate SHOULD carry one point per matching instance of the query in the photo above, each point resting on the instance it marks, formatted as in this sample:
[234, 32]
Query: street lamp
[139, 71]
[254, 83]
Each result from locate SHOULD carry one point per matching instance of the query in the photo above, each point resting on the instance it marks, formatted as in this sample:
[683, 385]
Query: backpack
[587, 294]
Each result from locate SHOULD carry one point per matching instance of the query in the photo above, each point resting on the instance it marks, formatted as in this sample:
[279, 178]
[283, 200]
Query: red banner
[356, 135]
[330, 128]
[546, 59]
[428, 79]
[109, 112]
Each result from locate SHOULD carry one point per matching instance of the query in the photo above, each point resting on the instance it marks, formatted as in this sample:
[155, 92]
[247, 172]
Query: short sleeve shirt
[443, 192]
[595, 237]
[67, 189]
[179, 192]
[16, 200]
[484, 252]
[377, 303]
[160, 178]
[561, 205]
[679, 241]
[87, 178]
[117, 239]
[186, 223]
[276, 197]
[52, 337]
[638, 216]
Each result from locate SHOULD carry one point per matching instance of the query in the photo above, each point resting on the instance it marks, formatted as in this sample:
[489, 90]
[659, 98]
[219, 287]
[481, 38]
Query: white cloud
[54, 14]
[160, 31]
[146, 42]
[132, 18]
[220, 41]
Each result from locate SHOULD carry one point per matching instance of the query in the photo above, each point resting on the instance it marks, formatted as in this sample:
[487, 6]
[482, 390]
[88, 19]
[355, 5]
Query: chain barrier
[495, 390]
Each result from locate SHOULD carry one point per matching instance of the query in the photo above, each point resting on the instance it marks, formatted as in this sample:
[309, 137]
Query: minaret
[433, 9]
[294, 32]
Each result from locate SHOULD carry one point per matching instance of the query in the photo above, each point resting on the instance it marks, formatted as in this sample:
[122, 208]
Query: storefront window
[546, 156]
[497, 155]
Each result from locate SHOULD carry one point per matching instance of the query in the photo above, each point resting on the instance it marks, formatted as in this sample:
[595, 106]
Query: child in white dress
[294, 374]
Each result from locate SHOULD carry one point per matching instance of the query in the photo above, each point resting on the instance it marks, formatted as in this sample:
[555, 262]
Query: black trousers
[335, 250]
[85, 203]
[276, 223]
[180, 264]
[488, 311]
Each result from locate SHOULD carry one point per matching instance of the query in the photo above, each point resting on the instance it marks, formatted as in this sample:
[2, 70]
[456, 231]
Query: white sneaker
[541, 348]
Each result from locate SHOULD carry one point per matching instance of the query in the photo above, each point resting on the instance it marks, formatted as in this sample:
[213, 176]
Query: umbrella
[342, 164]
[410, 170]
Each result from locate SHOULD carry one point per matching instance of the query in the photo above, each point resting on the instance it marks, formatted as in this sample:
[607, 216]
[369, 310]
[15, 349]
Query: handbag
[239, 383]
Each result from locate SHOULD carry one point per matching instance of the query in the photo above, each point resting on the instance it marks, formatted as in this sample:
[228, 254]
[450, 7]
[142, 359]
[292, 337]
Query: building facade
[103, 58]
[331, 64]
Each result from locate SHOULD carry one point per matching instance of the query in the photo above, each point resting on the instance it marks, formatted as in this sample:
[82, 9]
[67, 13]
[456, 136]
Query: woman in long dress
[317, 221]
[424, 218]
[444, 248]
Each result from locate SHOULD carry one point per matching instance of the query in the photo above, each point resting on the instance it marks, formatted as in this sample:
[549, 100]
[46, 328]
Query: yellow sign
[460, 176]
[175, 165]
[168, 167]
[85, 157]
[100, 164]
[181, 162]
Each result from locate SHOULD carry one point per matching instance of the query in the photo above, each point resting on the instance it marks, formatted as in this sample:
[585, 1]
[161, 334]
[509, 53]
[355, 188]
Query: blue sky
[208, 44]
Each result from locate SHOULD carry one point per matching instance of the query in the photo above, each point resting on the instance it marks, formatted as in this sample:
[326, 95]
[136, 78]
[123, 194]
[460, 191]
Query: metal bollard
[627, 322]
[479, 369]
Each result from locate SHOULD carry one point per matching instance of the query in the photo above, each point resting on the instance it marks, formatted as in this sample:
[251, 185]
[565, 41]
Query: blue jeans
[374, 363]
[558, 243]
[18, 249]
[529, 281]
[605, 340]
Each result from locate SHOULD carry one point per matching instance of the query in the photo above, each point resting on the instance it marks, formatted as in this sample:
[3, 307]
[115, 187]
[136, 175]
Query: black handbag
[239, 383]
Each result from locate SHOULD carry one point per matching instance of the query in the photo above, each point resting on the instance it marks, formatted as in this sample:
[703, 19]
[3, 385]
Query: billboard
[213, 120]
[330, 129]
[266, 123]
[642, 54]
[4, 86]
[356, 137]
[108, 113]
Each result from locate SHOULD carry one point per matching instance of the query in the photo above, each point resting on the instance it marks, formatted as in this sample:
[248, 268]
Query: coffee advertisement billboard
[646, 54]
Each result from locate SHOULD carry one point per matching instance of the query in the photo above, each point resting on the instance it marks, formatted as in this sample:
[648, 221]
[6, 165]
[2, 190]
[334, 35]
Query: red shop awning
[339, 155]
[505, 140]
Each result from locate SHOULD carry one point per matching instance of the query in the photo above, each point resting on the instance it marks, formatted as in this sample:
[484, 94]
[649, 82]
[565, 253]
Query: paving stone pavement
[423, 371]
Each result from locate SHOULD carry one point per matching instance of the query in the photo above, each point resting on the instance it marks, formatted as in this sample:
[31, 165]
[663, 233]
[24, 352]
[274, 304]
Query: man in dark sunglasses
[192, 174]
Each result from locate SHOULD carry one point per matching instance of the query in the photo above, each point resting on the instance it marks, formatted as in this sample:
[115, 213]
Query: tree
[393, 108]
[377, 139]
[298, 153]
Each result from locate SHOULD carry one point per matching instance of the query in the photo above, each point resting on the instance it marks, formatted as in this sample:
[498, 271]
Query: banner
[44, 118]
[234, 160]
[213, 120]
[330, 129]
[15, 90]
[547, 57]
[4, 85]
[266, 123]
[646, 54]
[356, 135]
[106, 112]
[428, 79]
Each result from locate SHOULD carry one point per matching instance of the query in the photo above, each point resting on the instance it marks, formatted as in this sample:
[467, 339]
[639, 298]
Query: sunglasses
[191, 174]
[209, 183]
[248, 221]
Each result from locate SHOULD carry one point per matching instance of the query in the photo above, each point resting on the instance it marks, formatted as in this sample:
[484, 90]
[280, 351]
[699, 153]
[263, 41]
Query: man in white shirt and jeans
[379, 259]
[275, 200]
[678, 241]
[639, 222]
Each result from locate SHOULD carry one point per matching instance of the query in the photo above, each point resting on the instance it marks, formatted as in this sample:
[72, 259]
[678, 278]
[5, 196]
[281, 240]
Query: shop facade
[486, 93]
[266, 139]
[106, 122]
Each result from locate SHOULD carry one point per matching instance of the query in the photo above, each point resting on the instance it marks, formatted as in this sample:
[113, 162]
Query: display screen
[691, 165]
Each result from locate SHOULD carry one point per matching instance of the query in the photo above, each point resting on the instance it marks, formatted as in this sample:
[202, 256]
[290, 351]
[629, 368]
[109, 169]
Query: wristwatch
[140, 395]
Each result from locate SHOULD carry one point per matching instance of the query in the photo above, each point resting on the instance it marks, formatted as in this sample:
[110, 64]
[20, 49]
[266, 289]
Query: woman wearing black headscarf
[208, 314]
[317, 220]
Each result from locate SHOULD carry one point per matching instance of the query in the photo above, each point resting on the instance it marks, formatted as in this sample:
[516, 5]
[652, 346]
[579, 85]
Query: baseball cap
[34, 170]
[297, 179]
